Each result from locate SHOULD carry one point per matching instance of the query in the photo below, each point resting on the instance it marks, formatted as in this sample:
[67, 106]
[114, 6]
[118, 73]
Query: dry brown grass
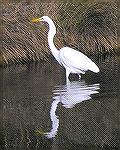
[93, 29]
[20, 43]
[90, 27]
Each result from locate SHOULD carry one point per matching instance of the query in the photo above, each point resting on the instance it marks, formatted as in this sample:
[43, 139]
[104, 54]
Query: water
[39, 111]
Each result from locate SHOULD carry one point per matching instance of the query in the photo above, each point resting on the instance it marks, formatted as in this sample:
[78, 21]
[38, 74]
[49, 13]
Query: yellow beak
[36, 20]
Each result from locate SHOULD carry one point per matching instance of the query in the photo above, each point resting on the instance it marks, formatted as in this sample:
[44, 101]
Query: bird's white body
[76, 62]
[73, 60]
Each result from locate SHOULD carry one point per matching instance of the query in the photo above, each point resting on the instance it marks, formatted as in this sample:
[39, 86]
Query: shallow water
[39, 111]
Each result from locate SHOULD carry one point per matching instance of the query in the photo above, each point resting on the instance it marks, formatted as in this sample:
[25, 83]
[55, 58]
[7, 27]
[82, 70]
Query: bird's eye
[42, 19]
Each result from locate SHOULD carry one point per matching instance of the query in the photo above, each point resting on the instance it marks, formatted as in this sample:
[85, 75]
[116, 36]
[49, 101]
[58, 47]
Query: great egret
[73, 61]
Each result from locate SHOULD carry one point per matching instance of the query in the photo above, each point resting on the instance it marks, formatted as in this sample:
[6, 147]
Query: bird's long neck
[51, 34]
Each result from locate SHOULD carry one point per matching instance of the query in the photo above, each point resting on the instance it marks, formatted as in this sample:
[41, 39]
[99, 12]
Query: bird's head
[44, 18]
[52, 28]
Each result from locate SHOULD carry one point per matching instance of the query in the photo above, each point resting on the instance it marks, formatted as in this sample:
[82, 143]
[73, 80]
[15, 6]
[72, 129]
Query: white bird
[73, 60]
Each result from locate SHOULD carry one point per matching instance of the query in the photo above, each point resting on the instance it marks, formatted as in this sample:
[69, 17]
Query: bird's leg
[67, 81]
[79, 76]
[67, 75]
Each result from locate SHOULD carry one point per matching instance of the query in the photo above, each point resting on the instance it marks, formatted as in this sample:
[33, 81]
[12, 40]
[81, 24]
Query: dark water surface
[39, 111]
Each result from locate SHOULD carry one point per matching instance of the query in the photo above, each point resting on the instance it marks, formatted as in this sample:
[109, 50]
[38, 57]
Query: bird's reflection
[69, 95]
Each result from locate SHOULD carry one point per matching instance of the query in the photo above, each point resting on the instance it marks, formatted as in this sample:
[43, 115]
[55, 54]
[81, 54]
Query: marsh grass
[93, 30]
[20, 42]
[90, 27]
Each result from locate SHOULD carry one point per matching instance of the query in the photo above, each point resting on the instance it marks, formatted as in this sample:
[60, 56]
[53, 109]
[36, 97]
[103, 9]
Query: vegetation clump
[90, 27]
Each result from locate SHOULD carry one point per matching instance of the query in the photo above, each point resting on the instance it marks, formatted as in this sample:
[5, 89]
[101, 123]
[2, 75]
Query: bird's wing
[76, 60]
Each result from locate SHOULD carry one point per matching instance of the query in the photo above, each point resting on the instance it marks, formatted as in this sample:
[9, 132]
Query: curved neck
[51, 34]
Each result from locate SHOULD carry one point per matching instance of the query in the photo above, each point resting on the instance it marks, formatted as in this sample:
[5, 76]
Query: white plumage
[73, 61]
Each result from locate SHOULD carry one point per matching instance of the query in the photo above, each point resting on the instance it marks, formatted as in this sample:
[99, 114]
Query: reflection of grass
[84, 25]
[94, 147]
[2, 136]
